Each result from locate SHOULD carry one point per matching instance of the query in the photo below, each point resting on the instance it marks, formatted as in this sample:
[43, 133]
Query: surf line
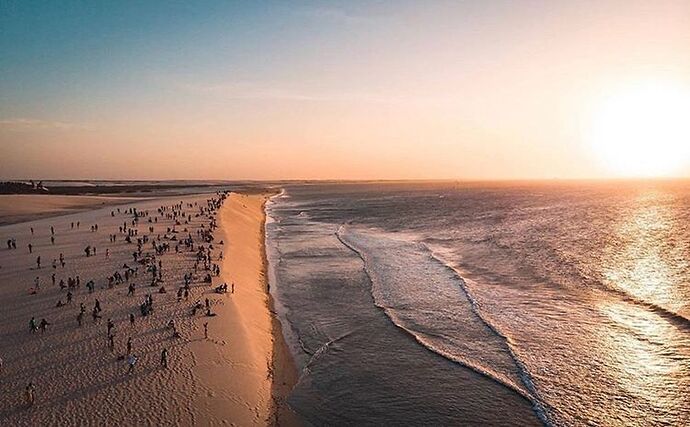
[531, 394]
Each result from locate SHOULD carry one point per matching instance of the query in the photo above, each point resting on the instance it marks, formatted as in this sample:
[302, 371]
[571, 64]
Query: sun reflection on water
[647, 348]
[641, 251]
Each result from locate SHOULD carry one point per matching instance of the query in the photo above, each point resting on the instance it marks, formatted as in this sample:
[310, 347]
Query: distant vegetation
[116, 188]
[31, 187]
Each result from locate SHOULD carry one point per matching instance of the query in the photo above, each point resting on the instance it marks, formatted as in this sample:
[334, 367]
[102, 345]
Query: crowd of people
[187, 231]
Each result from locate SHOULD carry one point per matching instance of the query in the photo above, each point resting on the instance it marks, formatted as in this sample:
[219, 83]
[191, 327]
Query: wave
[524, 371]
[670, 316]
[524, 386]
[673, 317]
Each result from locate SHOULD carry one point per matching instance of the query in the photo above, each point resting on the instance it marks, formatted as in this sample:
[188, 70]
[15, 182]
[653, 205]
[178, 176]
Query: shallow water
[562, 304]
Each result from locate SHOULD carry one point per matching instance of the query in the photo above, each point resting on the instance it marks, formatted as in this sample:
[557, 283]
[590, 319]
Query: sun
[643, 130]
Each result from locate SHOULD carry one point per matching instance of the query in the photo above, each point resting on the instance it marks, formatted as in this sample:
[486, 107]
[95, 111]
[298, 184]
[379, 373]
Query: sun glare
[643, 130]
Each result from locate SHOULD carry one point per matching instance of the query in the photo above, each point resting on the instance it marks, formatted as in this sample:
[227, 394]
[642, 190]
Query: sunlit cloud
[261, 91]
[30, 124]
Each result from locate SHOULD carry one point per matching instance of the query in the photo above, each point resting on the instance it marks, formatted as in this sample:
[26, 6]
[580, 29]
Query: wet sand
[240, 375]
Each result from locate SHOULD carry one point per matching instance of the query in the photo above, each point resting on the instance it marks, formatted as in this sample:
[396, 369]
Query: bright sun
[643, 130]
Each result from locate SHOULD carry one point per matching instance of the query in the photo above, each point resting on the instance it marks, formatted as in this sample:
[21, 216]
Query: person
[29, 394]
[32, 231]
[111, 342]
[38, 261]
[32, 325]
[52, 240]
[31, 248]
[110, 325]
[43, 325]
[131, 361]
[80, 317]
[206, 330]
[131, 318]
[129, 345]
[164, 358]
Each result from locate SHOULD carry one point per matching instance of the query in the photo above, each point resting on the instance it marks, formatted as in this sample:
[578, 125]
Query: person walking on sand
[95, 315]
[111, 342]
[29, 394]
[31, 248]
[131, 361]
[43, 325]
[129, 346]
[131, 318]
[164, 358]
[206, 330]
[32, 325]
[38, 261]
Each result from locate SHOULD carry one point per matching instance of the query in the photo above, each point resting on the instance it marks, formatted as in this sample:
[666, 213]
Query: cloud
[29, 124]
[333, 14]
[262, 91]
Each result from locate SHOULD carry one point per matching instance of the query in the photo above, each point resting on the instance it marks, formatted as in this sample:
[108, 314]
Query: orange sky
[493, 90]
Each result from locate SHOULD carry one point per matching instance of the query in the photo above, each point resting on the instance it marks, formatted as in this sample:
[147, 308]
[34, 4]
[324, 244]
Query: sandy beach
[240, 375]
[16, 208]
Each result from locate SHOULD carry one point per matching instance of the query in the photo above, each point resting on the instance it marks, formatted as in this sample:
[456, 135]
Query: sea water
[486, 303]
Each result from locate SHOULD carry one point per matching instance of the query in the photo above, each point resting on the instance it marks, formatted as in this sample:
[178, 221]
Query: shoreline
[284, 374]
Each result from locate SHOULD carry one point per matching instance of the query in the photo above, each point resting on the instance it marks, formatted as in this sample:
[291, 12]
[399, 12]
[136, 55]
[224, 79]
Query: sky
[329, 90]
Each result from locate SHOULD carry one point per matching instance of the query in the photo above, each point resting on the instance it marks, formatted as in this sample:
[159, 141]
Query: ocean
[552, 303]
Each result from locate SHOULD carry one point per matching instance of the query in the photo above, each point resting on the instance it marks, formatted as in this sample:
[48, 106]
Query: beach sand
[239, 376]
[26, 207]
[249, 347]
